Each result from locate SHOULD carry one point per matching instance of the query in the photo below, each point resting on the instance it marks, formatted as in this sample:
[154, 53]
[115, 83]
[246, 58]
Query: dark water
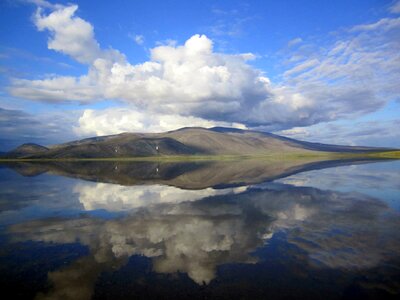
[200, 230]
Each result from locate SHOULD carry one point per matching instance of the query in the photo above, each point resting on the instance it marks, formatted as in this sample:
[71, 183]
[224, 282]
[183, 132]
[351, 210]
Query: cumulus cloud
[72, 35]
[354, 75]
[117, 198]
[186, 80]
[117, 120]
[196, 237]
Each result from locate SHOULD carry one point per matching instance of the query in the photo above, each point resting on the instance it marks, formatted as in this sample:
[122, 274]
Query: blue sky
[326, 71]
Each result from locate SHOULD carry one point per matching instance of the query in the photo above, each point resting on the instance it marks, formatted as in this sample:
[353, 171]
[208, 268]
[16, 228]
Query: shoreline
[273, 156]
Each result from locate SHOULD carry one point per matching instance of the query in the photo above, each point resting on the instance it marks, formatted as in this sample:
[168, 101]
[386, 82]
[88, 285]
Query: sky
[321, 71]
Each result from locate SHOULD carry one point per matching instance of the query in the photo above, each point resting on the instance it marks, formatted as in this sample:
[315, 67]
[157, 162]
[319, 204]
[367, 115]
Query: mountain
[184, 141]
[182, 174]
[26, 150]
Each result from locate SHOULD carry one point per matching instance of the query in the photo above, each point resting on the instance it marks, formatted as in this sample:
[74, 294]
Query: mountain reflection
[196, 218]
[349, 231]
[186, 175]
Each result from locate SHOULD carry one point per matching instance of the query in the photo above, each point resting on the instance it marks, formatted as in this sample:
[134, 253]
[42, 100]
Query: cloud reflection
[113, 197]
[348, 231]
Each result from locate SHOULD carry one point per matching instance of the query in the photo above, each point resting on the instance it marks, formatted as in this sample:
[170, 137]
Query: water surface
[201, 230]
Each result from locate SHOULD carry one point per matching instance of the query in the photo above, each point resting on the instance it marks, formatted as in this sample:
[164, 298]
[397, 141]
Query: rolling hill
[184, 141]
[182, 174]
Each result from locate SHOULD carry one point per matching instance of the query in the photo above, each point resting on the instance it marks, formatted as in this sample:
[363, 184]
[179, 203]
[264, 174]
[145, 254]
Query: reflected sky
[293, 229]
[113, 197]
[379, 179]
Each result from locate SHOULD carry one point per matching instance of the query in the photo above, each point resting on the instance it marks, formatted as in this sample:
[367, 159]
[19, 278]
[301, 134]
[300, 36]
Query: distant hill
[27, 150]
[183, 174]
[184, 141]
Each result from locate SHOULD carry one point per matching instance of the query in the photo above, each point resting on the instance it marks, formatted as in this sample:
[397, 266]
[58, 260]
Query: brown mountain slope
[185, 141]
[186, 175]
[233, 143]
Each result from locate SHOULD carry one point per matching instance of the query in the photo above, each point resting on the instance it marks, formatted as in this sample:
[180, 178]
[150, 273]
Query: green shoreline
[271, 156]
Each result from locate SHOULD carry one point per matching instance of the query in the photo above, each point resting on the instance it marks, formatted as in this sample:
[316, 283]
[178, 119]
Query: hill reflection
[195, 218]
[333, 230]
[184, 174]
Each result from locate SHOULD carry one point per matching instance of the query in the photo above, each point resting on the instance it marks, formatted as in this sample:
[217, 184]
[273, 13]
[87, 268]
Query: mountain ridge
[182, 174]
[183, 141]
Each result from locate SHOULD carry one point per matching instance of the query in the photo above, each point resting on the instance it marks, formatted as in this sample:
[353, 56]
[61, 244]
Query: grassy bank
[269, 156]
[388, 154]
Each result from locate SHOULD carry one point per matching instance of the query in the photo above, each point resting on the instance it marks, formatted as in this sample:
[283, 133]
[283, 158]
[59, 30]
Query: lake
[246, 229]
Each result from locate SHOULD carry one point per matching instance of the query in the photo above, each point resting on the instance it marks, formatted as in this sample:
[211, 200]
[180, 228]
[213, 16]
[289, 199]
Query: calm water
[204, 230]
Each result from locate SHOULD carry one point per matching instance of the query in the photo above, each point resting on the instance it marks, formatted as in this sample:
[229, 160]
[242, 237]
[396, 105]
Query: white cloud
[139, 39]
[301, 67]
[395, 8]
[118, 120]
[356, 74]
[383, 24]
[195, 237]
[362, 133]
[189, 80]
[191, 83]
[167, 42]
[44, 3]
[299, 132]
[294, 42]
[118, 198]
[72, 35]
[57, 88]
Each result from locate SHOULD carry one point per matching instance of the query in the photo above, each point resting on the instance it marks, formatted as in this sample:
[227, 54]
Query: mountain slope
[185, 141]
[235, 143]
[117, 146]
[309, 145]
[26, 150]
[182, 174]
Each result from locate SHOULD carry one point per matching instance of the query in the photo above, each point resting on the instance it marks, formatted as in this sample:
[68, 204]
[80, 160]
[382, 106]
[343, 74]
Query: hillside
[182, 174]
[27, 150]
[185, 141]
